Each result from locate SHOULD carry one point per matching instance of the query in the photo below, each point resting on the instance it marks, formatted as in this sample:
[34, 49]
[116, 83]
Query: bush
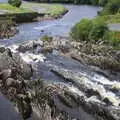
[113, 38]
[112, 7]
[81, 30]
[98, 30]
[89, 30]
[15, 3]
[103, 2]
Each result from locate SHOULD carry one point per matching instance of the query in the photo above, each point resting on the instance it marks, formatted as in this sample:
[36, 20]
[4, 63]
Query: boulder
[30, 45]
[12, 64]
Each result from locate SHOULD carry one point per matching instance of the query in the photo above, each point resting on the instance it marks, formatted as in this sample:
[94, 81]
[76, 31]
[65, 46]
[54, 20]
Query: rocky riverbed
[50, 85]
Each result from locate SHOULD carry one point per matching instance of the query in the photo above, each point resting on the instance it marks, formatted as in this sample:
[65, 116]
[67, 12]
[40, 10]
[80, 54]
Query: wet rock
[29, 46]
[15, 64]
[7, 29]
[2, 49]
[5, 74]
[116, 86]
[10, 82]
[24, 69]
[26, 46]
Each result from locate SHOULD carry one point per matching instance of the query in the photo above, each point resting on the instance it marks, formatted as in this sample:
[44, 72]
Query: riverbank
[26, 13]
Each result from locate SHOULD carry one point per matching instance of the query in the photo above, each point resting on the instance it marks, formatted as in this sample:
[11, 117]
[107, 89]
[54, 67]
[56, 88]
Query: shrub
[112, 7]
[15, 3]
[93, 30]
[46, 38]
[81, 30]
[98, 30]
[113, 38]
[103, 2]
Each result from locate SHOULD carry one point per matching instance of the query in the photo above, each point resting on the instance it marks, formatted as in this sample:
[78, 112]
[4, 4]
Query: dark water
[7, 111]
[31, 31]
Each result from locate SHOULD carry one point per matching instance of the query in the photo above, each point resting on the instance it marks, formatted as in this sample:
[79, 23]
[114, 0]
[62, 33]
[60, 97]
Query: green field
[51, 9]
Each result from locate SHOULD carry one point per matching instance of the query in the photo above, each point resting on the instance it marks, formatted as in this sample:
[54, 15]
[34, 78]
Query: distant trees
[15, 3]
[112, 7]
[91, 2]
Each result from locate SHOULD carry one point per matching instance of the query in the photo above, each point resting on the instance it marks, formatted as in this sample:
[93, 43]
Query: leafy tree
[98, 30]
[16, 3]
[81, 30]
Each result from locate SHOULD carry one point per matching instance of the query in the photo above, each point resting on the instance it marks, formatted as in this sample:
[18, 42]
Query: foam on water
[14, 48]
[30, 57]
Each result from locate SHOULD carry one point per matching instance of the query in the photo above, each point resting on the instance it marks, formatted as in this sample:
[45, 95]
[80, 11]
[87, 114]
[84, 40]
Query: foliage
[89, 30]
[50, 9]
[103, 2]
[15, 3]
[112, 7]
[81, 30]
[98, 30]
[11, 9]
[113, 38]
[46, 38]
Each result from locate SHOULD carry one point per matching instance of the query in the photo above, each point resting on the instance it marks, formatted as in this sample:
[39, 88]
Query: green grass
[10, 9]
[51, 9]
[111, 18]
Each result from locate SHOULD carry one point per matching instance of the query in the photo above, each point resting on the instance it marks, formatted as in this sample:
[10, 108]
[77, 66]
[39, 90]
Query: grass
[8, 9]
[111, 18]
[50, 9]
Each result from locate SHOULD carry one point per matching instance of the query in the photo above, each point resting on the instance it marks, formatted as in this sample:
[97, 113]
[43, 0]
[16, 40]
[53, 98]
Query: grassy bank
[53, 10]
[8, 9]
[18, 14]
[29, 11]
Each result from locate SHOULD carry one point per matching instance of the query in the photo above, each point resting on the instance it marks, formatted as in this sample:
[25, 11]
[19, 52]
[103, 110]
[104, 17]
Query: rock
[23, 68]
[39, 42]
[10, 81]
[29, 46]
[2, 49]
[5, 74]
[7, 29]
[116, 86]
[14, 64]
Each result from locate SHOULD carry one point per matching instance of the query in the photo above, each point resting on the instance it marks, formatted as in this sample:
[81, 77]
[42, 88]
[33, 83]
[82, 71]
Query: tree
[15, 3]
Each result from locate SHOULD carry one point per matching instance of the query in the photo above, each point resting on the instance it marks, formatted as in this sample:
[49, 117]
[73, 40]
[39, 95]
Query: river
[59, 27]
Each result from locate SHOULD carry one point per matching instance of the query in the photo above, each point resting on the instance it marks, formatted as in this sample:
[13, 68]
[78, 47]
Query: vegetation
[113, 38]
[7, 8]
[50, 9]
[82, 29]
[15, 3]
[97, 29]
[46, 38]
[112, 7]
[87, 30]
[91, 2]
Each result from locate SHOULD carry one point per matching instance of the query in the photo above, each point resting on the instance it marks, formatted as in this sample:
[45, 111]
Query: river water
[59, 27]
[32, 31]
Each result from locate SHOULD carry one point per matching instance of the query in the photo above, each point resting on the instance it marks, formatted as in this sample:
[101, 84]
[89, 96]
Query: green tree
[81, 30]
[98, 30]
[15, 3]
